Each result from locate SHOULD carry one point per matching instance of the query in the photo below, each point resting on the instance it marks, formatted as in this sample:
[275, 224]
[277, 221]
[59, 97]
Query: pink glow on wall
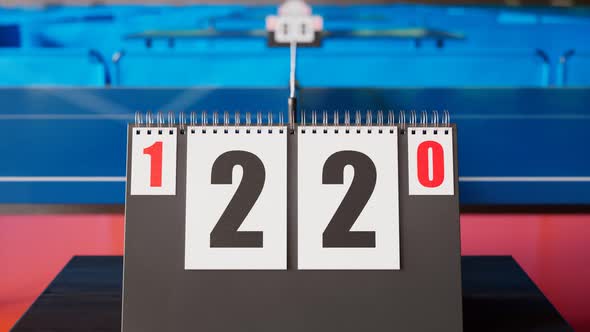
[554, 250]
[33, 249]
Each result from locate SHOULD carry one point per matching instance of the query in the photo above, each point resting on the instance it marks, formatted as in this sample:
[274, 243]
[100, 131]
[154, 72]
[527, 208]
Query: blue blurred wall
[500, 47]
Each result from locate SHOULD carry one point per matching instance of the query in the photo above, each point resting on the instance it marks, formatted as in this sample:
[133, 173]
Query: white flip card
[430, 161]
[153, 166]
[348, 203]
[236, 198]
[298, 29]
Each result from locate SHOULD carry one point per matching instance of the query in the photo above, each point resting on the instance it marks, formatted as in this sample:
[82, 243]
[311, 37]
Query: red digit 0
[438, 164]
[155, 153]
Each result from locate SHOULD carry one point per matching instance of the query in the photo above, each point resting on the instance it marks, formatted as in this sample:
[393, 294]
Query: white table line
[524, 178]
[461, 179]
[62, 179]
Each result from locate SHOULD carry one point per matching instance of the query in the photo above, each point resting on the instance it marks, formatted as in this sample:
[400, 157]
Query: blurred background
[515, 76]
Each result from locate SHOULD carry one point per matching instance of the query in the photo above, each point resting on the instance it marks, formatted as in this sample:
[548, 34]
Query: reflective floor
[553, 249]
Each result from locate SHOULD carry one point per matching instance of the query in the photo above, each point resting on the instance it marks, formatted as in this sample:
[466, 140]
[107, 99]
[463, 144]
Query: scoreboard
[256, 226]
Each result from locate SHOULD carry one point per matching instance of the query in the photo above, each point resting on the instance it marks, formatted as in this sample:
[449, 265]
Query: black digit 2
[337, 234]
[225, 234]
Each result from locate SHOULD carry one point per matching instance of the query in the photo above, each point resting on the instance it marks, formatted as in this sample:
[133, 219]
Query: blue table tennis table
[517, 147]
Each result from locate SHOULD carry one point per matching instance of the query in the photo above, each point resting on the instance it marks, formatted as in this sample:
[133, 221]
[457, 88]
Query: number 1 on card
[153, 167]
[155, 153]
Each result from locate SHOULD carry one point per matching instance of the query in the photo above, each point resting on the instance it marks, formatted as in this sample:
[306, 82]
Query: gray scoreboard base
[160, 295]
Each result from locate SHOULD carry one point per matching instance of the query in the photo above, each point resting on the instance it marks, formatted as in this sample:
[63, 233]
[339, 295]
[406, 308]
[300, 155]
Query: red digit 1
[438, 164]
[155, 153]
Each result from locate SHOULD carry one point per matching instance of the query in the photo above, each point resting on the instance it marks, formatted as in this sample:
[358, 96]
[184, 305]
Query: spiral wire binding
[182, 121]
[225, 122]
[371, 120]
[138, 119]
[303, 115]
[434, 118]
[160, 119]
[402, 120]
[148, 119]
[423, 119]
[412, 121]
[347, 120]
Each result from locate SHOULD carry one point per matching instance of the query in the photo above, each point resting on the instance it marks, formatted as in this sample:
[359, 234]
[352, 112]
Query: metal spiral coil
[368, 118]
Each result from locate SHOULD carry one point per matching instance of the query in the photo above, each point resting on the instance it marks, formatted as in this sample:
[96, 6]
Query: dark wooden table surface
[497, 296]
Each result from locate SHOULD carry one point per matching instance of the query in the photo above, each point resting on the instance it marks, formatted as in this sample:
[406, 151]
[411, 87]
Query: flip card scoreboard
[241, 224]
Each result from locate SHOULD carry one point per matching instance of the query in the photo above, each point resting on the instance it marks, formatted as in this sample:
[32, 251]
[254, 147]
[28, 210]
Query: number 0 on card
[430, 161]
